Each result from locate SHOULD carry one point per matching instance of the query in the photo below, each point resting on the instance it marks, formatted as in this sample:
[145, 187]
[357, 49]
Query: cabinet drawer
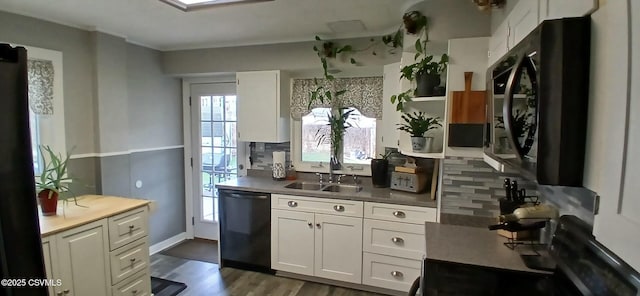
[339, 207]
[394, 238]
[129, 260]
[127, 227]
[389, 272]
[399, 213]
[137, 285]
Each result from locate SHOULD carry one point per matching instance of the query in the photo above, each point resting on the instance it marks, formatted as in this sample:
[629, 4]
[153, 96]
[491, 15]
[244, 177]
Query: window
[359, 143]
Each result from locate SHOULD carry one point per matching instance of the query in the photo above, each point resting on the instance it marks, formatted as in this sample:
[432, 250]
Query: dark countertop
[473, 246]
[368, 193]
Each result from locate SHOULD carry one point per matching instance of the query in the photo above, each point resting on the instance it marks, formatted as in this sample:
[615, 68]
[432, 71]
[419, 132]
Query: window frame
[313, 167]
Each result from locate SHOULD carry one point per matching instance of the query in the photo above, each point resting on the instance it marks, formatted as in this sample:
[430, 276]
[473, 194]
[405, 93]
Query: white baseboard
[167, 243]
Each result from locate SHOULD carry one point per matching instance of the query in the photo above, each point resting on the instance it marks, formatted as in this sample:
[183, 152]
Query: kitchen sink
[343, 188]
[304, 186]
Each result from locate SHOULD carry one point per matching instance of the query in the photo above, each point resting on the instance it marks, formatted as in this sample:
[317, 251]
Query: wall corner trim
[128, 152]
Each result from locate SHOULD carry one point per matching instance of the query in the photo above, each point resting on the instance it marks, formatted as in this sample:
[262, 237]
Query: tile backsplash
[471, 189]
[264, 160]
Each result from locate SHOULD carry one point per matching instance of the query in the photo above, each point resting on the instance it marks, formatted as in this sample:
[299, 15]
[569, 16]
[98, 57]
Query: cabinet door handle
[292, 204]
[399, 214]
[310, 224]
[338, 208]
[132, 259]
[318, 225]
[131, 227]
[66, 291]
[59, 293]
[134, 292]
[397, 274]
[397, 240]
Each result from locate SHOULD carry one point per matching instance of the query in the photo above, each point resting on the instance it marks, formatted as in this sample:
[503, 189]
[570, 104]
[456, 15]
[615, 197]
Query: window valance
[363, 93]
[40, 76]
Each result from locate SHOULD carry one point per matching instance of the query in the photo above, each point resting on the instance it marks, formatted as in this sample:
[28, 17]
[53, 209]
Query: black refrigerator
[20, 244]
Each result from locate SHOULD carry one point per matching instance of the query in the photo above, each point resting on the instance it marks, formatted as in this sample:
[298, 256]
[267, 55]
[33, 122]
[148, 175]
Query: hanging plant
[414, 22]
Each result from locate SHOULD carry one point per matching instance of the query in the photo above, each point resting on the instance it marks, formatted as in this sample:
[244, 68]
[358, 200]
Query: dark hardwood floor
[204, 278]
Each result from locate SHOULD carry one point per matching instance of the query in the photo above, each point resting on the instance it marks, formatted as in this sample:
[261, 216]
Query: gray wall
[155, 101]
[116, 99]
[78, 63]
[284, 56]
[111, 92]
[162, 176]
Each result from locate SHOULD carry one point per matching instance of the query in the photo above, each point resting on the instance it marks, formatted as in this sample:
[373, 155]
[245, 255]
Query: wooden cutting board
[468, 106]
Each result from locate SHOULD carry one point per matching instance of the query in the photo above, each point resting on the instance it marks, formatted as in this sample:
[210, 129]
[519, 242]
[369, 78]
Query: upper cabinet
[526, 15]
[390, 116]
[553, 9]
[522, 20]
[263, 106]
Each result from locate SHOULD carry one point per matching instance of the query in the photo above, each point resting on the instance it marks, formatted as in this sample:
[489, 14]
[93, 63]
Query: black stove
[586, 267]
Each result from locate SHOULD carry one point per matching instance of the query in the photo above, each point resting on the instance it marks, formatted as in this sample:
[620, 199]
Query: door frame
[189, 192]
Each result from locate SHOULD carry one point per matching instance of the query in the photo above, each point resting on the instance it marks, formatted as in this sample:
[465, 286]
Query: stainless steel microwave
[536, 111]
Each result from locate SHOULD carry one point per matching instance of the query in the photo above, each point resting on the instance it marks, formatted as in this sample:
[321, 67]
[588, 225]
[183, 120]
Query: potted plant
[425, 71]
[337, 126]
[52, 181]
[379, 170]
[416, 124]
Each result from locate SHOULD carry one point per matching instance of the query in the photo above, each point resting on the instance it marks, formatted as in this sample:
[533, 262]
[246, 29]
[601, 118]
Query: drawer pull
[310, 224]
[397, 240]
[134, 292]
[338, 208]
[66, 291]
[131, 227]
[397, 274]
[292, 204]
[318, 225]
[132, 260]
[59, 293]
[399, 214]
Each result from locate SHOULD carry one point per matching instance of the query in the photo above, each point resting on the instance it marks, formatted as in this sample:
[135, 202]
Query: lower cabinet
[81, 258]
[316, 244]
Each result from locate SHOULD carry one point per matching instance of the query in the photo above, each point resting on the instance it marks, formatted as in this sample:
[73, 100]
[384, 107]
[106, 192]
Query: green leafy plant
[417, 123]
[425, 66]
[338, 124]
[401, 98]
[54, 174]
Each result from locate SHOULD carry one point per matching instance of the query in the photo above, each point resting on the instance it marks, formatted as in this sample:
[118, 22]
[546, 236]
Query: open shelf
[438, 155]
[428, 99]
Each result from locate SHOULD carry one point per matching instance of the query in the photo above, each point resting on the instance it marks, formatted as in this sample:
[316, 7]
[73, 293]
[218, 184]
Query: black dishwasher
[245, 230]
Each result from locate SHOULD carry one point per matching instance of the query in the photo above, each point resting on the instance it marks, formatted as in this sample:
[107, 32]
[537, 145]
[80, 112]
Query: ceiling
[158, 25]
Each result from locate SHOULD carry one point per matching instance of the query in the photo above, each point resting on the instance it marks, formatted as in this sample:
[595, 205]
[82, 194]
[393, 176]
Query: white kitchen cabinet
[88, 261]
[263, 106]
[393, 243]
[337, 253]
[313, 242]
[613, 133]
[555, 9]
[390, 117]
[83, 260]
[519, 23]
[292, 241]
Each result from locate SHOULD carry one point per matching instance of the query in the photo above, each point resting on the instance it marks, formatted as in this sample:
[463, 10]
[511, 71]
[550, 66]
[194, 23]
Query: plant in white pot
[417, 124]
[52, 181]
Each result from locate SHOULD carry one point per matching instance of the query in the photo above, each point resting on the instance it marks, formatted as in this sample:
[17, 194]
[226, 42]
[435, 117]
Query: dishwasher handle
[244, 195]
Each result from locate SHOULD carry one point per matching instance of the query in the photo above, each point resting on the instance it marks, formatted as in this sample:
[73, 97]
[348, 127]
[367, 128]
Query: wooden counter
[92, 208]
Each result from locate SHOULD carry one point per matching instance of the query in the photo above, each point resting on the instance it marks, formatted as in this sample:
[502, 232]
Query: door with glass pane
[217, 157]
